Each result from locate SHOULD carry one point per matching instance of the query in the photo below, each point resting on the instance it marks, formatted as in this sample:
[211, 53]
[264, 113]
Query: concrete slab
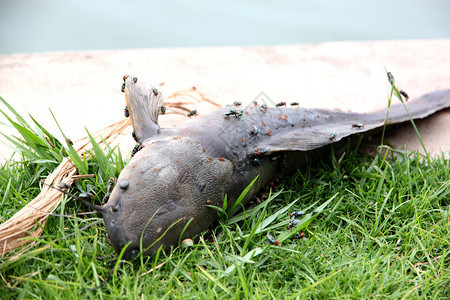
[83, 88]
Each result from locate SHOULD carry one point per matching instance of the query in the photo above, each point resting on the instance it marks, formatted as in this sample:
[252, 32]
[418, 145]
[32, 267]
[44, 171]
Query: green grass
[382, 232]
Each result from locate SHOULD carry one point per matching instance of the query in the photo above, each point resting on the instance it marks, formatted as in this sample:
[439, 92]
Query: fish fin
[144, 103]
[352, 123]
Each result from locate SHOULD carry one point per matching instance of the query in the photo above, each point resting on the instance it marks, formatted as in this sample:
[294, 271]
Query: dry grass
[18, 230]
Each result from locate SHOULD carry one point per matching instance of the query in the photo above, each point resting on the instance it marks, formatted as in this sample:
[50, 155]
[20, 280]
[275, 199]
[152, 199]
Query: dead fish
[202, 159]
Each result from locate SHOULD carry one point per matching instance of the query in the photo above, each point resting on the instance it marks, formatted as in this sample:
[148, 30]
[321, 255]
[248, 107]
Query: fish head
[163, 195]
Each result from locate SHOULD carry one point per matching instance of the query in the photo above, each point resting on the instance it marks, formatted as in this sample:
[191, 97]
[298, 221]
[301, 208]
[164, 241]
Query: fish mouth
[151, 238]
[130, 253]
[118, 236]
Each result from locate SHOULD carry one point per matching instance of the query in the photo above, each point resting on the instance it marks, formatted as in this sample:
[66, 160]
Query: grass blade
[241, 197]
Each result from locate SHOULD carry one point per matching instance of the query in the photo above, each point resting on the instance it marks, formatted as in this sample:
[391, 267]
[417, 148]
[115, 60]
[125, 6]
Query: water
[46, 25]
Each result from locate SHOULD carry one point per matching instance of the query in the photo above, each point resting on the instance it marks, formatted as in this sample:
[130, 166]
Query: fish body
[166, 192]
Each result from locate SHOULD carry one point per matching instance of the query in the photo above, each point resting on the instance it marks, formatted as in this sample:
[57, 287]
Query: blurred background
[28, 26]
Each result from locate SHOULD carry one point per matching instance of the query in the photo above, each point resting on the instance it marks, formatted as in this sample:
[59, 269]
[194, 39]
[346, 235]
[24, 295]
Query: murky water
[51, 25]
